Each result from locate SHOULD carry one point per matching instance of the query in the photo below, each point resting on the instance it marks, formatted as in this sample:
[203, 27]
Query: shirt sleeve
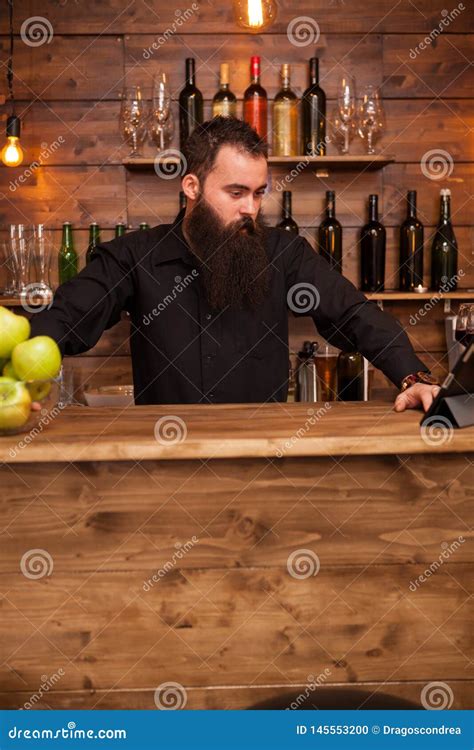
[89, 303]
[343, 314]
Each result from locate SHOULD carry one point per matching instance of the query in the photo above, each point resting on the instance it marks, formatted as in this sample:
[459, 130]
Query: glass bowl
[22, 412]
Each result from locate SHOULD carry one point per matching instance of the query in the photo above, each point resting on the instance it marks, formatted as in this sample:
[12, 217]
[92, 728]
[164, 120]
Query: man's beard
[233, 261]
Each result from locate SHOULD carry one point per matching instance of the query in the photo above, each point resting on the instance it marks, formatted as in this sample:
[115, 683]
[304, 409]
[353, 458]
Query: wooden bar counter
[242, 551]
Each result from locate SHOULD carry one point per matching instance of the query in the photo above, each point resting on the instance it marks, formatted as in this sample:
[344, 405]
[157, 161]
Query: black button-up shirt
[185, 352]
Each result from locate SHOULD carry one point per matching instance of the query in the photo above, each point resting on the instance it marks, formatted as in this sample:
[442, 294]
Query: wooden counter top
[230, 431]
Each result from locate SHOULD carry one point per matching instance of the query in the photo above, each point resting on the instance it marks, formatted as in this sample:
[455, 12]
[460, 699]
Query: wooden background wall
[70, 87]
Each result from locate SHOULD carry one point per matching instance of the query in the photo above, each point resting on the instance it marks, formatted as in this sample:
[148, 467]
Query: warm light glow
[254, 15]
[12, 152]
[255, 12]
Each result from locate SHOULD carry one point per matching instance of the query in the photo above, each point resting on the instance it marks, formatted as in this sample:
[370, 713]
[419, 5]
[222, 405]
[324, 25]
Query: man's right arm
[91, 302]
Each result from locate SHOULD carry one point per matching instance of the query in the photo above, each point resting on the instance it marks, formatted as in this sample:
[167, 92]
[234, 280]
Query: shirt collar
[173, 245]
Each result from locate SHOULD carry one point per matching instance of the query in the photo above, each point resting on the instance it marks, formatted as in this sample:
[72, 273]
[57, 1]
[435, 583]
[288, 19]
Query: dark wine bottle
[256, 101]
[190, 105]
[313, 107]
[94, 239]
[68, 260]
[120, 229]
[444, 250]
[287, 221]
[329, 238]
[411, 248]
[372, 251]
[144, 225]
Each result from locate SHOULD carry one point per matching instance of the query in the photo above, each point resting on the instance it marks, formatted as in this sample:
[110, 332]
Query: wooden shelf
[463, 294]
[377, 161]
[400, 296]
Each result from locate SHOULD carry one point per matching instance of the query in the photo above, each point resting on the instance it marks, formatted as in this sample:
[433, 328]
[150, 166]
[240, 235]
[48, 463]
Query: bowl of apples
[29, 374]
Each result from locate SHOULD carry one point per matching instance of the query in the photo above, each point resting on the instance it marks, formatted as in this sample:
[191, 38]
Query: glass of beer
[326, 368]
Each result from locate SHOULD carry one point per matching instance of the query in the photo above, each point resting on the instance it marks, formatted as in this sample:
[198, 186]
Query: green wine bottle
[94, 239]
[67, 257]
[120, 230]
[444, 250]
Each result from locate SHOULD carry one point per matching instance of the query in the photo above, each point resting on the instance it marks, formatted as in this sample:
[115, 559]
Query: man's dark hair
[201, 148]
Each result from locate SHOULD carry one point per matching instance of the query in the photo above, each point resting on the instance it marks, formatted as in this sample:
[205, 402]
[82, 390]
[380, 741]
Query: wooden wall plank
[142, 16]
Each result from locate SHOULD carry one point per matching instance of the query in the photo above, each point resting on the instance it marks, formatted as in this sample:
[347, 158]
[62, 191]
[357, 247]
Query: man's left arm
[349, 321]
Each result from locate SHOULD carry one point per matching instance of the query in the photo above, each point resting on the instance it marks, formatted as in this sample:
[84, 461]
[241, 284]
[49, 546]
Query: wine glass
[465, 324]
[371, 117]
[134, 117]
[343, 122]
[160, 110]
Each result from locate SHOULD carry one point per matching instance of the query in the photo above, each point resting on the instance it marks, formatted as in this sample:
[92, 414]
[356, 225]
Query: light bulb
[12, 152]
[254, 15]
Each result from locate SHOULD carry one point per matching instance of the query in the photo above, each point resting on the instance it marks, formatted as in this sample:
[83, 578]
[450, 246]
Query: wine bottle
[411, 248]
[67, 257]
[330, 234]
[287, 221]
[224, 102]
[182, 200]
[350, 377]
[313, 107]
[285, 118]
[255, 101]
[372, 250]
[120, 229]
[190, 104]
[444, 250]
[144, 225]
[94, 239]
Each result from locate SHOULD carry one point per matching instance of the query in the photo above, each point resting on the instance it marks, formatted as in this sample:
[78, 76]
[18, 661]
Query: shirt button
[211, 395]
[208, 316]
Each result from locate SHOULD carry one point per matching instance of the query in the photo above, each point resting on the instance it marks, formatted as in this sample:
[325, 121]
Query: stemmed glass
[371, 117]
[161, 117]
[134, 117]
[343, 118]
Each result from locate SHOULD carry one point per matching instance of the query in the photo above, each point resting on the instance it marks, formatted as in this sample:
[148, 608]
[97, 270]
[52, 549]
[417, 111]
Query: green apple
[38, 358]
[15, 404]
[8, 371]
[13, 330]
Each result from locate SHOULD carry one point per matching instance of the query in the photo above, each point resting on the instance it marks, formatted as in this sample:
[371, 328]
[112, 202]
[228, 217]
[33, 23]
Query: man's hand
[418, 394]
